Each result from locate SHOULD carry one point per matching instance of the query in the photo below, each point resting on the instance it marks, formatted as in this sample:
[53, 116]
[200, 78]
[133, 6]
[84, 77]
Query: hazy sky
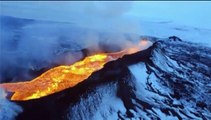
[195, 14]
[190, 13]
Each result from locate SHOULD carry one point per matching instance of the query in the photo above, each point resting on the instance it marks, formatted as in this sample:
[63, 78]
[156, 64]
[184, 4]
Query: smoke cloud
[8, 110]
[41, 35]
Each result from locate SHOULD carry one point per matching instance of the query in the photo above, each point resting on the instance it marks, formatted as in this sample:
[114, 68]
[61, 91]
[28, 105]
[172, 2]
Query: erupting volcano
[62, 77]
[105, 61]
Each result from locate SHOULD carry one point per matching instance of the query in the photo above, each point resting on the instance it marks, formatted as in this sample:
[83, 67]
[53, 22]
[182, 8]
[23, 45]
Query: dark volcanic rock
[166, 81]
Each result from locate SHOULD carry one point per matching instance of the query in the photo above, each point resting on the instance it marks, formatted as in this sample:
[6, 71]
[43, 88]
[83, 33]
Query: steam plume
[42, 40]
[8, 110]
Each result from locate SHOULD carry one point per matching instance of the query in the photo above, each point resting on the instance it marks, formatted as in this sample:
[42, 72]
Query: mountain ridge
[157, 83]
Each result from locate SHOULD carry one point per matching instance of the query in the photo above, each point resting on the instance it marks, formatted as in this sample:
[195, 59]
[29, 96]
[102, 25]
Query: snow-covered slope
[173, 83]
[169, 81]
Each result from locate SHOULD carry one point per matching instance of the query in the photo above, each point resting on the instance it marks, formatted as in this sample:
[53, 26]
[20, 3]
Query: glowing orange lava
[62, 77]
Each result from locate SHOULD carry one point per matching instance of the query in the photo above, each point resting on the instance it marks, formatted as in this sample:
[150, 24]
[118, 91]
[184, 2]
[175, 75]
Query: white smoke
[27, 46]
[8, 109]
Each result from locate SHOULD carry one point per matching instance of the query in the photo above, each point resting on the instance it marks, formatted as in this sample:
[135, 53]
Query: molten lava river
[62, 77]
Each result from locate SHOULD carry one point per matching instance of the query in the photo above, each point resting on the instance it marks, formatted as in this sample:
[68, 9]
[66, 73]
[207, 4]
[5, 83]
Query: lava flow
[62, 77]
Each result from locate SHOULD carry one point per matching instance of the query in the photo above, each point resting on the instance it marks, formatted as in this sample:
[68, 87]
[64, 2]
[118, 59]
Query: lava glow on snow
[63, 77]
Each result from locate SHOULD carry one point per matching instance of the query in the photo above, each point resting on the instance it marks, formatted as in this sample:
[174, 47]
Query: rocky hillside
[169, 80]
